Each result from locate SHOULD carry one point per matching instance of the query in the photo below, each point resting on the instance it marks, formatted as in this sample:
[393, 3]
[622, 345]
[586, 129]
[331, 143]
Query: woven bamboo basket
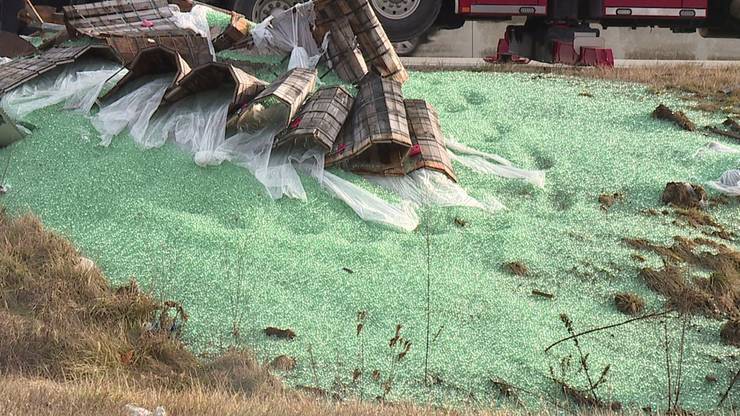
[213, 76]
[193, 48]
[19, 71]
[373, 41]
[428, 150]
[376, 137]
[346, 58]
[152, 61]
[289, 91]
[326, 12]
[118, 17]
[320, 120]
[236, 33]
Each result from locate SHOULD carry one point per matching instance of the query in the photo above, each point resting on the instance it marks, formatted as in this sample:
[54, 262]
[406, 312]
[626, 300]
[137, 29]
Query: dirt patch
[608, 200]
[517, 268]
[629, 303]
[283, 363]
[684, 195]
[664, 113]
[717, 296]
[730, 332]
[702, 221]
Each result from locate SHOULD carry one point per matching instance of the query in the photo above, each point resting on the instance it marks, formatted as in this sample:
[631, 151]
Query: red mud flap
[603, 57]
[564, 53]
[503, 55]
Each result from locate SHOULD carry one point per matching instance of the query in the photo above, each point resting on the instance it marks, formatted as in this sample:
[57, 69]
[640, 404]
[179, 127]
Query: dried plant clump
[664, 113]
[730, 332]
[701, 220]
[684, 195]
[608, 200]
[517, 268]
[283, 363]
[279, 333]
[717, 296]
[629, 303]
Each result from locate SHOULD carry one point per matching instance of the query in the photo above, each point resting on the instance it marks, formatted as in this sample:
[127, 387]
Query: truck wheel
[406, 19]
[259, 10]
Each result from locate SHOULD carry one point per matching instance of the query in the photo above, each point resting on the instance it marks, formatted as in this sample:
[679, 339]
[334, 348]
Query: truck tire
[403, 20]
[259, 10]
[406, 19]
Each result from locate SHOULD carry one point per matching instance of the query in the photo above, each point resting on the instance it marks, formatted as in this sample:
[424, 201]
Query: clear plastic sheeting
[197, 124]
[133, 110]
[481, 165]
[4, 60]
[369, 206]
[76, 85]
[728, 183]
[290, 33]
[196, 20]
[456, 146]
[427, 187]
[716, 147]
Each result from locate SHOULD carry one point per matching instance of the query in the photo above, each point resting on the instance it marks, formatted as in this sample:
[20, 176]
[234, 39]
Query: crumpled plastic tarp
[481, 163]
[278, 171]
[4, 60]
[427, 187]
[76, 85]
[728, 183]
[196, 20]
[132, 110]
[197, 124]
[289, 32]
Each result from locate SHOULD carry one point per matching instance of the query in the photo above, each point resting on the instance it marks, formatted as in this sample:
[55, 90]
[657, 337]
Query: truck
[553, 30]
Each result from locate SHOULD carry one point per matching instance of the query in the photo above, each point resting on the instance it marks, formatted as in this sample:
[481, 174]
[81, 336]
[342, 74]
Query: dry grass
[24, 396]
[705, 85]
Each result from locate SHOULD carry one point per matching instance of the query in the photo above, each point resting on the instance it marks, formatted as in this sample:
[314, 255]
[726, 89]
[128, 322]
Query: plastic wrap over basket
[728, 183]
[76, 85]
[428, 187]
[289, 32]
[196, 123]
[252, 149]
[133, 110]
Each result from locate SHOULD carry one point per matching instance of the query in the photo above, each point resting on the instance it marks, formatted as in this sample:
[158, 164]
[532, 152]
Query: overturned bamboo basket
[286, 94]
[213, 76]
[428, 149]
[343, 52]
[236, 33]
[193, 48]
[373, 41]
[376, 138]
[21, 70]
[118, 17]
[320, 120]
[152, 62]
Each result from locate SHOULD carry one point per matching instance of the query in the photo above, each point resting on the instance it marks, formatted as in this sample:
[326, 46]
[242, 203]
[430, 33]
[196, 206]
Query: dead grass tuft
[717, 296]
[629, 303]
